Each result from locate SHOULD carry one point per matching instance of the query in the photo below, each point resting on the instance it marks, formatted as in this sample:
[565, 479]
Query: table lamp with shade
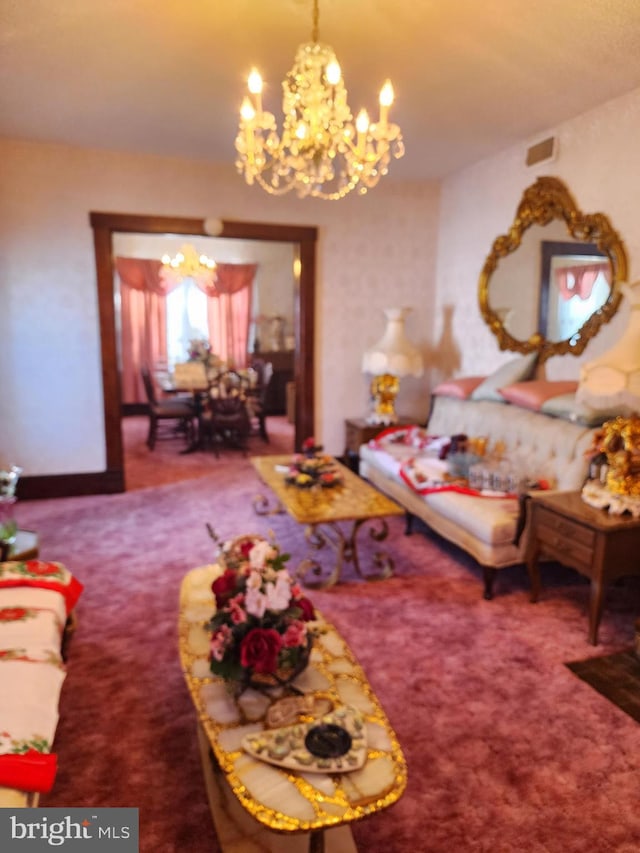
[389, 360]
[613, 379]
[611, 383]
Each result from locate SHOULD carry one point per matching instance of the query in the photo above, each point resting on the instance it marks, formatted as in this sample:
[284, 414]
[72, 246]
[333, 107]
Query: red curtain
[579, 280]
[143, 322]
[143, 317]
[229, 314]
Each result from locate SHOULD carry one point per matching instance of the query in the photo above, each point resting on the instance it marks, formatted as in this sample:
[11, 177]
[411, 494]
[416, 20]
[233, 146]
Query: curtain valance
[145, 274]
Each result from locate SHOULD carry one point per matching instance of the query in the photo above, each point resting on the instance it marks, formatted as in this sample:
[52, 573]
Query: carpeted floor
[507, 750]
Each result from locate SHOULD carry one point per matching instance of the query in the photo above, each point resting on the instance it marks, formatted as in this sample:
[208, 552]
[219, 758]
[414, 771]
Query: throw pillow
[517, 370]
[533, 394]
[565, 406]
[460, 388]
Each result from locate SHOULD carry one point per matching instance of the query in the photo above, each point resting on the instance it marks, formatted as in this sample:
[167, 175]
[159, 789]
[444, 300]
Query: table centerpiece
[312, 468]
[260, 632]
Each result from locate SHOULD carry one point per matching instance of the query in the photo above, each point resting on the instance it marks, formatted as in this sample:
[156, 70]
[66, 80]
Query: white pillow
[517, 370]
[565, 406]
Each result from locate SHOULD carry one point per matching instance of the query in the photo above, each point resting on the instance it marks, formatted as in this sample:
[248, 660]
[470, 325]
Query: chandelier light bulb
[247, 111]
[320, 151]
[254, 82]
[362, 121]
[386, 94]
[333, 73]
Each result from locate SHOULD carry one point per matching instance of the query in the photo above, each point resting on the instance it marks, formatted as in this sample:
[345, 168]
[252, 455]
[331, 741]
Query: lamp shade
[393, 354]
[613, 379]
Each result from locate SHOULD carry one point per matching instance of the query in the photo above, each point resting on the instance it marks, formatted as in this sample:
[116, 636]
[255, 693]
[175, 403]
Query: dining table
[202, 384]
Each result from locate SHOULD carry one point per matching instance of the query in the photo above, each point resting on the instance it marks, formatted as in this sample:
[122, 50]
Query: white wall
[374, 252]
[598, 161]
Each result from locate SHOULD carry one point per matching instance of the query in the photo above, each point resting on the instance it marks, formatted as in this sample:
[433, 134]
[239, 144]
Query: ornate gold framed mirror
[553, 296]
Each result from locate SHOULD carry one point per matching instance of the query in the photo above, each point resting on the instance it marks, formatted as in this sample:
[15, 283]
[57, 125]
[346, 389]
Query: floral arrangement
[312, 468]
[199, 349]
[260, 632]
[615, 452]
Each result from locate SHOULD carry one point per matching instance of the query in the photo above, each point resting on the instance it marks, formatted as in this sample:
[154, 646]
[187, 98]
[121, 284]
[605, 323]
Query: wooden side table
[358, 431]
[25, 547]
[598, 545]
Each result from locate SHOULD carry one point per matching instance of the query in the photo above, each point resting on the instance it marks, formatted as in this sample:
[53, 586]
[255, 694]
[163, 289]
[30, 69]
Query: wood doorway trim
[105, 225]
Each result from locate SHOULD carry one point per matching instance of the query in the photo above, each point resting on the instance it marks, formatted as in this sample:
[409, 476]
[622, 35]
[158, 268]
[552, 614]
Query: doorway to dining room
[107, 225]
[230, 318]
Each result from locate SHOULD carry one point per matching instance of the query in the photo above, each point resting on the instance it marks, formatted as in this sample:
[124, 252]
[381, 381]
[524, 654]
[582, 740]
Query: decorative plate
[336, 743]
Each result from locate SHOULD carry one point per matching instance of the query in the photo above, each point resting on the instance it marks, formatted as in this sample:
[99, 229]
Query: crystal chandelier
[322, 152]
[188, 264]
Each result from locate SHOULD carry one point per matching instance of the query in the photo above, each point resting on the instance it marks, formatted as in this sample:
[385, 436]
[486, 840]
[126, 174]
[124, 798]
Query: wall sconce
[388, 361]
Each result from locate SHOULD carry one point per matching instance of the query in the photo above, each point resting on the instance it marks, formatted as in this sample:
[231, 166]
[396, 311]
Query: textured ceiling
[167, 76]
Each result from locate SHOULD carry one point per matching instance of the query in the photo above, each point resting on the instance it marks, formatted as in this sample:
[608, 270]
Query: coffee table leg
[262, 505]
[316, 841]
[346, 547]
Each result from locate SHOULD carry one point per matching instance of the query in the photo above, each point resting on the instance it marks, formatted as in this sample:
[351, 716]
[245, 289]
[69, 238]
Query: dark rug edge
[615, 676]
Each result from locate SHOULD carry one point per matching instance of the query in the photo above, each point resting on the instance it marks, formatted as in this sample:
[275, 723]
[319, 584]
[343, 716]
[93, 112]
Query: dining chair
[176, 415]
[225, 419]
[259, 397]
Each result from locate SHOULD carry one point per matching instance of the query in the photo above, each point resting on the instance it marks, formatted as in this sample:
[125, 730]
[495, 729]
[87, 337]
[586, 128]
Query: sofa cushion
[461, 388]
[492, 520]
[516, 370]
[533, 394]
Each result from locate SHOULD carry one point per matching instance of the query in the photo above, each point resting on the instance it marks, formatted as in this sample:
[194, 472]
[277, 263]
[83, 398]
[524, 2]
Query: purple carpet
[507, 750]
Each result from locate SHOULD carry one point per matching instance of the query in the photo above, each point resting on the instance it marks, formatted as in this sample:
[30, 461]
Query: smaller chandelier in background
[187, 263]
[321, 152]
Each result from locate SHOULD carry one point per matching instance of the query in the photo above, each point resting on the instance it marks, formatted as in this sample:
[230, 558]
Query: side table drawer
[565, 527]
[570, 542]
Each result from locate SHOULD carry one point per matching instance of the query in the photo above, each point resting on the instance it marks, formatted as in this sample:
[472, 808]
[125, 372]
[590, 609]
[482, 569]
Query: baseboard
[71, 485]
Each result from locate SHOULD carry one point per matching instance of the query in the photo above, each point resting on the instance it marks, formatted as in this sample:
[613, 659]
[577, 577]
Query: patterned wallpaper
[374, 252]
[597, 160]
[405, 244]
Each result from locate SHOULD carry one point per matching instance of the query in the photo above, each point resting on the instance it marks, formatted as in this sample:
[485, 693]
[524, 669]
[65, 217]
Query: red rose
[308, 612]
[245, 548]
[224, 587]
[259, 650]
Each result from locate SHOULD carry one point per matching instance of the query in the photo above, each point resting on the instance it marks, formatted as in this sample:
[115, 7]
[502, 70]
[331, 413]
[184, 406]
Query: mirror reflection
[550, 283]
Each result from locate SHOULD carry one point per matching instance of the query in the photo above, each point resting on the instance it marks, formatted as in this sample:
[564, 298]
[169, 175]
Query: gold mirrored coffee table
[332, 517]
[258, 804]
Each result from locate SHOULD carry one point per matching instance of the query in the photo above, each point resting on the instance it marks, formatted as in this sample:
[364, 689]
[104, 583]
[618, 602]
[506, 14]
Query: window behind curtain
[186, 319]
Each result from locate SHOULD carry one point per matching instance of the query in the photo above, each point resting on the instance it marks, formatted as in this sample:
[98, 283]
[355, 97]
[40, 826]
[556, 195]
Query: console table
[294, 811]
[598, 545]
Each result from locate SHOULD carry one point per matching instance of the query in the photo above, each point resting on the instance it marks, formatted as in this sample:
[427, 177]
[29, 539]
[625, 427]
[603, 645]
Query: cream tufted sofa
[552, 448]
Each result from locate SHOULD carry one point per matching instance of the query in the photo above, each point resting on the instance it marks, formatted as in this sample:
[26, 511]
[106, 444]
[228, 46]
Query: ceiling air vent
[542, 152]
